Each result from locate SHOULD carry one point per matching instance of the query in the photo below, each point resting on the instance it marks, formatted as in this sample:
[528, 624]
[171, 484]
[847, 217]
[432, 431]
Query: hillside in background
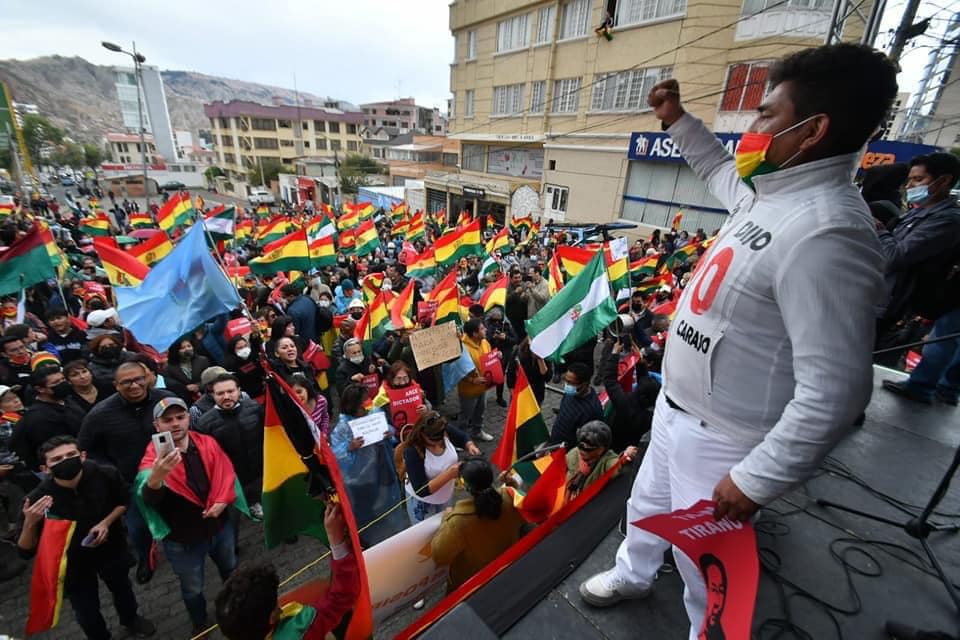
[81, 97]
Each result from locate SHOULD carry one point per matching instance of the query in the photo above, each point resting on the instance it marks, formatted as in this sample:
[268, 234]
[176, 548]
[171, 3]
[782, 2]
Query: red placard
[491, 367]
[426, 311]
[237, 327]
[372, 382]
[726, 554]
[403, 404]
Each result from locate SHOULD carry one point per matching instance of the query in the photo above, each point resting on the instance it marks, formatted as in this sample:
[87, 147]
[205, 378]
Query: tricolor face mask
[751, 156]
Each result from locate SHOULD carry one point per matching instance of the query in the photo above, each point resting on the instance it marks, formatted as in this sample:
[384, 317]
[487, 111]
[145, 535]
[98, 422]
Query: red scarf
[216, 464]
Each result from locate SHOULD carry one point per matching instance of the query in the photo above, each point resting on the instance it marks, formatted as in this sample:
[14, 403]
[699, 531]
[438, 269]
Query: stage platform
[902, 450]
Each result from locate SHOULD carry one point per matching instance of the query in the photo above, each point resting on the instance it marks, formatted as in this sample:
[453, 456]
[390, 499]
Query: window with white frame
[507, 99]
[751, 7]
[566, 94]
[513, 33]
[472, 156]
[538, 92]
[574, 18]
[468, 103]
[631, 12]
[471, 45]
[545, 19]
[626, 90]
[745, 87]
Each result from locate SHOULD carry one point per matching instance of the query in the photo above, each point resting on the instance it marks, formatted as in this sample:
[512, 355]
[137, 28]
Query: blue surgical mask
[918, 194]
[569, 389]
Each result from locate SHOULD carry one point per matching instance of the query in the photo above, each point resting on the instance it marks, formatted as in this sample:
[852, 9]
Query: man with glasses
[94, 497]
[117, 431]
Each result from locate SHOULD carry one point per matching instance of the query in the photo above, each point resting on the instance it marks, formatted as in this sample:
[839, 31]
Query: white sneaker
[483, 436]
[608, 588]
[256, 510]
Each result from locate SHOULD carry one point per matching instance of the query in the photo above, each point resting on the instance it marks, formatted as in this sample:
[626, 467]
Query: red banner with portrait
[403, 404]
[726, 554]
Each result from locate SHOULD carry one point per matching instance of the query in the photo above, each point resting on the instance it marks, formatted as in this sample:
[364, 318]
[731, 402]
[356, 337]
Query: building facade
[402, 115]
[156, 116]
[247, 134]
[421, 156]
[546, 105]
[125, 149]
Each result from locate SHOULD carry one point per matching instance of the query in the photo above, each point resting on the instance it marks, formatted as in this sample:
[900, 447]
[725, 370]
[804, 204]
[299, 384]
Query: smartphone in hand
[163, 443]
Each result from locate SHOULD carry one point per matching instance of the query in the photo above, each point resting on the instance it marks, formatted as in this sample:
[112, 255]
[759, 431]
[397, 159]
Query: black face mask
[61, 390]
[67, 469]
[636, 307]
[110, 353]
[356, 315]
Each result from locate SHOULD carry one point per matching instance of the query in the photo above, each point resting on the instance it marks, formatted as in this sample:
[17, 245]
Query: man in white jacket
[768, 360]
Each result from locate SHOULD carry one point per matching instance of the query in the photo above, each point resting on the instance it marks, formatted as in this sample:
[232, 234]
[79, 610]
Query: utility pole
[905, 31]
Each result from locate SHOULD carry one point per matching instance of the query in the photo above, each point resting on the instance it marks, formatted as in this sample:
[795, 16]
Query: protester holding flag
[592, 457]
[91, 498]
[580, 404]
[473, 388]
[478, 528]
[247, 607]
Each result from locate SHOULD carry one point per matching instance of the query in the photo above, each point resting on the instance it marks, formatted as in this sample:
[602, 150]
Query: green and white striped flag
[490, 265]
[578, 312]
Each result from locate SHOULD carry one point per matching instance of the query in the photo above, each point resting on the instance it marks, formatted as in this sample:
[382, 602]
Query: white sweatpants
[682, 465]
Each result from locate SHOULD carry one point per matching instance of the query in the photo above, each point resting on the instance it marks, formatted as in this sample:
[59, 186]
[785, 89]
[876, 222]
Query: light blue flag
[456, 370]
[185, 289]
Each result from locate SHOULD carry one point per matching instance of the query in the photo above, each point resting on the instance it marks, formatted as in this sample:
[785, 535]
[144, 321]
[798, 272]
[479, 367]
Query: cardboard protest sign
[434, 345]
[726, 554]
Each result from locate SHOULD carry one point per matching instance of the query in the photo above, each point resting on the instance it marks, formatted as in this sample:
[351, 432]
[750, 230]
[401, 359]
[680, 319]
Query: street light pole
[143, 142]
[138, 60]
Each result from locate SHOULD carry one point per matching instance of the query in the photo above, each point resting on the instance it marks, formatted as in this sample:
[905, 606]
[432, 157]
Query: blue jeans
[188, 561]
[939, 369]
[137, 531]
[418, 510]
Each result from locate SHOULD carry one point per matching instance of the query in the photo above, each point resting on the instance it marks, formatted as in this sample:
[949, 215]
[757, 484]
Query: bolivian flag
[347, 240]
[370, 286]
[288, 253]
[320, 239]
[367, 238]
[548, 491]
[555, 280]
[401, 308]
[57, 258]
[522, 224]
[295, 458]
[243, 231]
[400, 226]
[447, 296]
[273, 230]
[363, 210]
[644, 267]
[49, 573]
[152, 250]
[417, 229]
[499, 242]
[141, 221]
[423, 265]
[679, 256]
[573, 259]
[5, 210]
[375, 321]
[348, 220]
[96, 225]
[399, 211]
[651, 285]
[677, 219]
[175, 212]
[495, 294]
[263, 210]
[464, 241]
[524, 430]
[123, 270]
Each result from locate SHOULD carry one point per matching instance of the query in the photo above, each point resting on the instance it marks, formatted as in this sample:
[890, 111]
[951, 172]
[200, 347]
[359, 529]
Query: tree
[39, 132]
[70, 154]
[271, 169]
[355, 171]
[92, 155]
[213, 172]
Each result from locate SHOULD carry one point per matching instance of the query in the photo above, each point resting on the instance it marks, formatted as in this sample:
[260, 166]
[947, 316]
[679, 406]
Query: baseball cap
[166, 403]
[4, 389]
[210, 374]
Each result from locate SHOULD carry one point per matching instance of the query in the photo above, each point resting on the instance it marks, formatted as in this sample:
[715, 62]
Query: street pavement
[160, 599]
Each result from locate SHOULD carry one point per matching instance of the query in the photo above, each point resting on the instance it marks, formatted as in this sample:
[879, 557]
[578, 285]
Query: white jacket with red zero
[771, 343]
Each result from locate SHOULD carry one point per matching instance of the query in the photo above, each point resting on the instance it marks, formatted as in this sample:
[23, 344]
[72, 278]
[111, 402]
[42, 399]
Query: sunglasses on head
[586, 447]
[437, 437]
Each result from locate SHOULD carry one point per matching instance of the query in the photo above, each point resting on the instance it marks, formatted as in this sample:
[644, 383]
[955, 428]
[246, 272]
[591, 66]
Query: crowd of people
[83, 402]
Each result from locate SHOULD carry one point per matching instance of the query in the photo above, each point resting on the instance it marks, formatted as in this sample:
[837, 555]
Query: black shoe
[944, 398]
[142, 628]
[144, 573]
[901, 389]
[503, 403]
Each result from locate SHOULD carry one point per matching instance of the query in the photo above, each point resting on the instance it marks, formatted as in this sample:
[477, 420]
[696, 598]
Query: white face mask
[323, 302]
[356, 359]
[243, 353]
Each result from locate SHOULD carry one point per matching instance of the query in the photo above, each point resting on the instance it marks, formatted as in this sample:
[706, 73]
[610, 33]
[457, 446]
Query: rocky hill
[81, 97]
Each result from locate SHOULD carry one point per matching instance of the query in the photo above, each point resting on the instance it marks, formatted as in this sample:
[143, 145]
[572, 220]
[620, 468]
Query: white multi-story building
[156, 117]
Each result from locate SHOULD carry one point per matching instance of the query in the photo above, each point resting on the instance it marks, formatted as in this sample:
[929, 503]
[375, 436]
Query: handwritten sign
[370, 427]
[434, 345]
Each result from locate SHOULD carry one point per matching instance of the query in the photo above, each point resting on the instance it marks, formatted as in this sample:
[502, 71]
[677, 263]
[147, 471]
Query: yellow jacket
[466, 388]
